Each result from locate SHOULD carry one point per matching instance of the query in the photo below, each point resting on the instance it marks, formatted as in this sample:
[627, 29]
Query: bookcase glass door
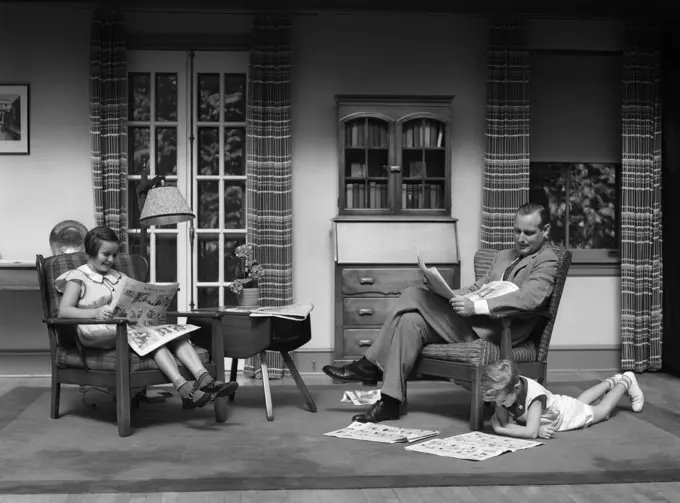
[367, 164]
[423, 165]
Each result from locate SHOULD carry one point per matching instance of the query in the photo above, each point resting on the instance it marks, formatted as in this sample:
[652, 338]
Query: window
[203, 155]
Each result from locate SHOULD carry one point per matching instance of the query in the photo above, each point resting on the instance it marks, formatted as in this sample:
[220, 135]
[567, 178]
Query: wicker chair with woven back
[119, 368]
[464, 362]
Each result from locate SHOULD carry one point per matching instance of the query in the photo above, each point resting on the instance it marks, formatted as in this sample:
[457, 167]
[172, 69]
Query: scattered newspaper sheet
[376, 432]
[361, 397]
[145, 305]
[474, 446]
[297, 312]
[435, 281]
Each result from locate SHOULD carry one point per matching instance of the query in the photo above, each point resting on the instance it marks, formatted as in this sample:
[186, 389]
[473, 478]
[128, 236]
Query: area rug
[171, 449]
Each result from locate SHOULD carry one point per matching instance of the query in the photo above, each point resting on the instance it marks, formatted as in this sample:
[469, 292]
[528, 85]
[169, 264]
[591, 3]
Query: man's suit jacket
[535, 277]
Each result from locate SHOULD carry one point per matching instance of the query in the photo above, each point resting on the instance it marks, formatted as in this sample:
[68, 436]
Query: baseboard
[560, 358]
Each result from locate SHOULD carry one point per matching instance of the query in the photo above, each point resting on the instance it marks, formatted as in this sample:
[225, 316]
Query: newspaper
[144, 305]
[361, 397]
[474, 446]
[297, 312]
[376, 432]
[438, 285]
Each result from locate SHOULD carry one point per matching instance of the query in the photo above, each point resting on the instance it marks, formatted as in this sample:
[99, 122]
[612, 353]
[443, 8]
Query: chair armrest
[85, 321]
[194, 314]
[519, 314]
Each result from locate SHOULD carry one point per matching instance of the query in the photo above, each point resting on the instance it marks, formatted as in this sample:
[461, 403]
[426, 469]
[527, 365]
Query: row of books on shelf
[362, 134]
[413, 196]
[425, 134]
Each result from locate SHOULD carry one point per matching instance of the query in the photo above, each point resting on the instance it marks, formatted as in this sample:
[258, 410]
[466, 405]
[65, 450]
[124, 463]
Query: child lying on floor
[525, 409]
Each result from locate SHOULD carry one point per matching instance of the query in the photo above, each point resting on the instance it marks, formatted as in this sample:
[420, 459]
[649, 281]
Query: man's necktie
[512, 265]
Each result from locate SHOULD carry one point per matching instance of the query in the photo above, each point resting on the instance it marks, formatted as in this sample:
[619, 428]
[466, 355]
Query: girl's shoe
[220, 389]
[189, 403]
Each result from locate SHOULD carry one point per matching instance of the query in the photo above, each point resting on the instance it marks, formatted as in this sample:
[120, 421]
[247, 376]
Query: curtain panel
[506, 160]
[641, 218]
[108, 122]
[269, 196]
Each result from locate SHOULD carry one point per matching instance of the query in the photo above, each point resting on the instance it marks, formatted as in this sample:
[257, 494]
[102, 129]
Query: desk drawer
[367, 310]
[388, 281]
[358, 340]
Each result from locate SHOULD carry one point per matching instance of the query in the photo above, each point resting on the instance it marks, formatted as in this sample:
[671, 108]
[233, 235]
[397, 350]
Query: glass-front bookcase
[395, 155]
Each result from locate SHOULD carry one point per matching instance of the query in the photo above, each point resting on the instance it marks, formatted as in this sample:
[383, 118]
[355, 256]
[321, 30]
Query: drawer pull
[365, 312]
[365, 342]
[366, 281]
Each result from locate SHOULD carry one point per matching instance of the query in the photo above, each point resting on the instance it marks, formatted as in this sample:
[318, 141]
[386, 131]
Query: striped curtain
[269, 196]
[506, 160]
[641, 233]
[108, 122]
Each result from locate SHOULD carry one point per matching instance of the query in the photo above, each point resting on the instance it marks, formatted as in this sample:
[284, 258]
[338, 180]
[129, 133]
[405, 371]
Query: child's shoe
[637, 397]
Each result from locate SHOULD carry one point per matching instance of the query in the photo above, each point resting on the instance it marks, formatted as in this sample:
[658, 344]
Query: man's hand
[462, 305]
[546, 431]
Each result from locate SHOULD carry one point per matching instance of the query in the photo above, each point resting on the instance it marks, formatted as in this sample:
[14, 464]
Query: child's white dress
[96, 290]
[562, 411]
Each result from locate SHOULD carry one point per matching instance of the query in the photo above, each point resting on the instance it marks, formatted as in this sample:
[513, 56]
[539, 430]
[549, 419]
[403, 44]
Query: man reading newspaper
[422, 316]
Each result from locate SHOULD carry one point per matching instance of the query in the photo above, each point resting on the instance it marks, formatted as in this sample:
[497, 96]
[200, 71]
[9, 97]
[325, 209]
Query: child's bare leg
[593, 394]
[603, 409]
[166, 362]
[187, 355]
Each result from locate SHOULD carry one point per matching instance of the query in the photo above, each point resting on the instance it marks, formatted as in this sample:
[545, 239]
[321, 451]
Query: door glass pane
[209, 151]
[208, 205]
[548, 186]
[139, 96]
[231, 262]
[208, 296]
[229, 297]
[208, 257]
[234, 151]
[133, 206]
[208, 97]
[234, 209]
[139, 139]
[166, 97]
[166, 257]
[166, 151]
[235, 97]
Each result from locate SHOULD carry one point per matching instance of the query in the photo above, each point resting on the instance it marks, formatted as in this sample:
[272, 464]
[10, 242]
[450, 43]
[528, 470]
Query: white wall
[332, 54]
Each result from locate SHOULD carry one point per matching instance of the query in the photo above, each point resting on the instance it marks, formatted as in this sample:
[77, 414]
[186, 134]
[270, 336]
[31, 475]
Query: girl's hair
[500, 376]
[96, 236]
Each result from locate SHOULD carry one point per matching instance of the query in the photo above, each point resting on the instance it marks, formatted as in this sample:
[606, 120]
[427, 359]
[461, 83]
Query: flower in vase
[248, 272]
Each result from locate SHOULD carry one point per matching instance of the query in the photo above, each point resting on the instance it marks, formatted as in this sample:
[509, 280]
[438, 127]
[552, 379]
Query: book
[438, 285]
[297, 312]
[376, 432]
[473, 446]
[144, 305]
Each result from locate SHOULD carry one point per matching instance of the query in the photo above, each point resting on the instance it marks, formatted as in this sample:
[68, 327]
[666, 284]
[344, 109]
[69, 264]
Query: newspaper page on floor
[375, 432]
[474, 446]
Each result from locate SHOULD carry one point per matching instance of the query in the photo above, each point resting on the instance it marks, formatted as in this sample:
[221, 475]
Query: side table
[245, 336]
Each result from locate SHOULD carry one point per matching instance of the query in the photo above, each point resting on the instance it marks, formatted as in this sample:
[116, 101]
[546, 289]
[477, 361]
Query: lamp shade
[165, 205]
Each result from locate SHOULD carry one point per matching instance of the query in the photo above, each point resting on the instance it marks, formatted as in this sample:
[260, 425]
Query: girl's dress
[96, 290]
[561, 411]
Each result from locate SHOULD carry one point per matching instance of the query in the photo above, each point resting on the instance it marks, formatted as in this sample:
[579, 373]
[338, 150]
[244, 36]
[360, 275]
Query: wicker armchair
[463, 363]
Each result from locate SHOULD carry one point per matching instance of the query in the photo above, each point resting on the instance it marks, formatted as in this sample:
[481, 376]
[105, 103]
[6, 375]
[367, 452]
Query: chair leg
[123, 411]
[476, 402]
[56, 394]
[298, 381]
[232, 376]
[265, 386]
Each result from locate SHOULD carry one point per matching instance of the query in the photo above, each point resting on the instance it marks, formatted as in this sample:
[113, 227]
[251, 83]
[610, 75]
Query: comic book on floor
[474, 446]
[438, 285]
[376, 432]
[145, 305]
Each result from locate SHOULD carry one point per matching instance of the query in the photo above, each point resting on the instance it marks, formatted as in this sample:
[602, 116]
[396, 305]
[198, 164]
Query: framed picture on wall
[14, 130]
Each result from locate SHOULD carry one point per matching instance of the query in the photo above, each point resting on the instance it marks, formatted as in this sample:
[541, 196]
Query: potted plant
[247, 274]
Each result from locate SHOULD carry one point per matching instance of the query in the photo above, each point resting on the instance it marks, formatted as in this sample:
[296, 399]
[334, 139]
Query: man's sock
[365, 364]
[637, 398]
[390, 402]
[611, 381]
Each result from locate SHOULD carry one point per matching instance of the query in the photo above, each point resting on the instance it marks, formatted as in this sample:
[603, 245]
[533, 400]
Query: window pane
[166, 257]
[235, 97]
[134, 245]
[234, 209]
[208, 257]
[548, 186]
[209, 148]
[139, 139]
[208, 97]
[133, 206]
[139, 96]
[166, 97]
[208, 205]
[592, 206]
[230, 260]
[234, 146]
[229, 297]
[166, 151]
[208, 296]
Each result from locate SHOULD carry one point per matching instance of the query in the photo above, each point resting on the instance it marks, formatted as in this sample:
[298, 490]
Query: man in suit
[422, 317]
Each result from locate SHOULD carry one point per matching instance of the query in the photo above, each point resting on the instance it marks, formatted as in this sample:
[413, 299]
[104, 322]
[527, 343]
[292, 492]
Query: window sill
[592, 269]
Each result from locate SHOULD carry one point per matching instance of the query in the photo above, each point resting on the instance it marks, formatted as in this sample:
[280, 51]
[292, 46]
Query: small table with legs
[245, 336]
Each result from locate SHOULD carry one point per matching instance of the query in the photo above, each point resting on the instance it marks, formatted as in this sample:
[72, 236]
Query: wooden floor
[660, 388]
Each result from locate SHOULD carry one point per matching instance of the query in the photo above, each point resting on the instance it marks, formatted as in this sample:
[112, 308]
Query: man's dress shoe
[351, 373]
[378, 412]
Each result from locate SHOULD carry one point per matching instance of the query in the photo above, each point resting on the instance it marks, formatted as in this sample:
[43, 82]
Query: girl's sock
[183, 387]
[203, 379]
[611, 381]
